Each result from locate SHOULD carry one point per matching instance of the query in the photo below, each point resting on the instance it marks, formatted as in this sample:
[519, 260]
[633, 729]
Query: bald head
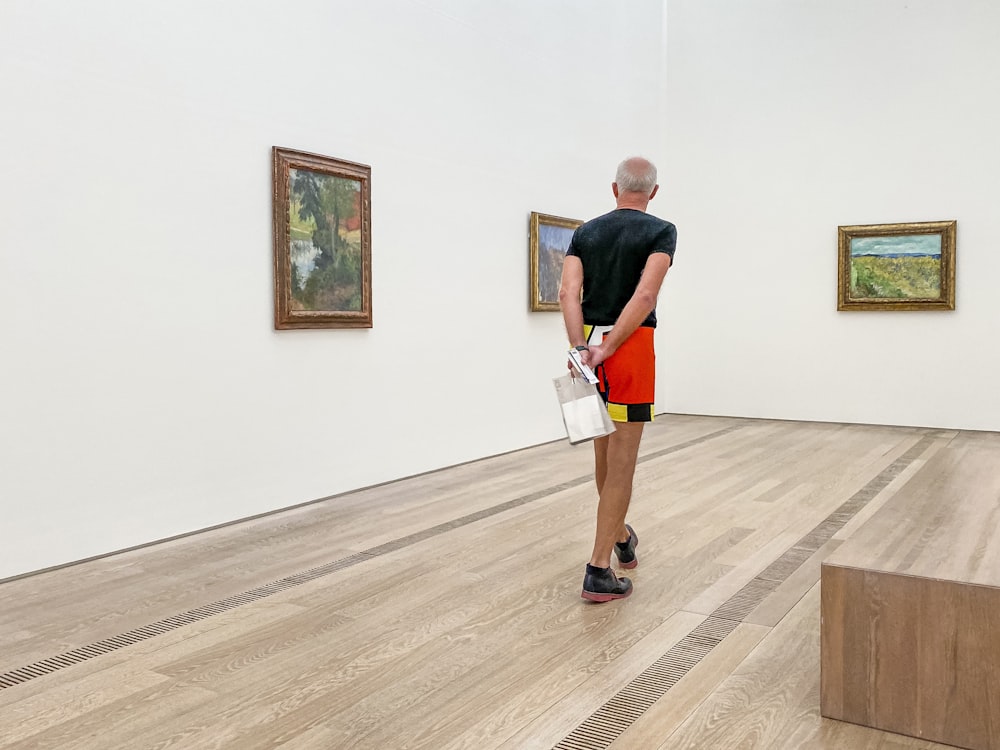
[636, 175]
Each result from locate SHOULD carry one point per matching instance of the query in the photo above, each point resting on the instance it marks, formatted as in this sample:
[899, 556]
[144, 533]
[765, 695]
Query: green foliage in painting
[326, 201]
[325, 210]
[916, 277]
[301, 223]
[334, 287]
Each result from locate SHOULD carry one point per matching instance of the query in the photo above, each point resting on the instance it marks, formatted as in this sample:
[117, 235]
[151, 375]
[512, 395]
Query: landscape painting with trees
[897, 266]
[548, 240]
[322, 242]
[325, 241]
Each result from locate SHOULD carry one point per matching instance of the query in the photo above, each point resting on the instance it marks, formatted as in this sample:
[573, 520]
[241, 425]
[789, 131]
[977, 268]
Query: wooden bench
[910, 634]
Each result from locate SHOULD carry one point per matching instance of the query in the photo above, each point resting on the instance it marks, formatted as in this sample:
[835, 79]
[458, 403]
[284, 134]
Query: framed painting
[322, 241]
[897, 266]
[548, 240]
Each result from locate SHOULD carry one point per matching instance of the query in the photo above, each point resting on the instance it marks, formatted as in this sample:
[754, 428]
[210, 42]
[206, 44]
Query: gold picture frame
[897, 266]
[548, 240]
[322, 241]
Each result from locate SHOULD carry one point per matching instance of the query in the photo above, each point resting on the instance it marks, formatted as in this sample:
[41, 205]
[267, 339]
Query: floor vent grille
[608, 722]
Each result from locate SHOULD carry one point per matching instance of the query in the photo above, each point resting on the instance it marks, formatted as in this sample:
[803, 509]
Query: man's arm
[569, 299]
[641, 304]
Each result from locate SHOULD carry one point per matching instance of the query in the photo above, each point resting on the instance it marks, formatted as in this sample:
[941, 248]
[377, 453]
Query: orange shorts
[628, 377]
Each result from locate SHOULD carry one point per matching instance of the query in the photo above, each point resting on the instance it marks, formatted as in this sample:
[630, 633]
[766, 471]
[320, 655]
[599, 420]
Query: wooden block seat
[910, 633]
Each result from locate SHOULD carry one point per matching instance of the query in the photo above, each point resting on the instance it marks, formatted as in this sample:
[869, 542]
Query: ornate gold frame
[285, 314]
[537, 304]
[946, 299]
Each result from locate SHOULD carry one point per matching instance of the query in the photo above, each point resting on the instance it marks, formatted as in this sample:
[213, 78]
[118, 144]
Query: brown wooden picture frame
[897, 266]
[322, 241]
[548, 239]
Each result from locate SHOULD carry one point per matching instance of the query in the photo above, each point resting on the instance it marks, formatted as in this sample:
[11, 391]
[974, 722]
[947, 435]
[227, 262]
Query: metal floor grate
[107, 645]
[608, 722]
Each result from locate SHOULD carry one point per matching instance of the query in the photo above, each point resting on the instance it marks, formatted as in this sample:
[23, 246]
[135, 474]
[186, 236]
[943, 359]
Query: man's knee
[626, 436]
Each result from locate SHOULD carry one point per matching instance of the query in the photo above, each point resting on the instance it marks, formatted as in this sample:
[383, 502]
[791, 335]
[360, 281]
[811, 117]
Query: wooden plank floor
[454, 618]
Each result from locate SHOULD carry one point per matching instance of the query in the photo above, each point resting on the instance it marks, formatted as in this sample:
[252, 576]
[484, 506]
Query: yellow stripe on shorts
[618, 412]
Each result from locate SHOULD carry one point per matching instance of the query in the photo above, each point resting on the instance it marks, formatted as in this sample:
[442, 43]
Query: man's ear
[655, 188]
[614, 188]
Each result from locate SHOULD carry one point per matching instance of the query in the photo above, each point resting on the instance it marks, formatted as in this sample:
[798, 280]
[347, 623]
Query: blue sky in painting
[556, 238]
[913, 244]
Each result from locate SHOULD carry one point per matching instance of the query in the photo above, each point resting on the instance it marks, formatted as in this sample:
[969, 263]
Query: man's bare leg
[620, 454]
[601, 473]
[600, 462]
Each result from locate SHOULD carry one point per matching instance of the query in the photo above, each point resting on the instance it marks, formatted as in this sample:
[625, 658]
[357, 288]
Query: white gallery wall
[785, 120]
[144, 391]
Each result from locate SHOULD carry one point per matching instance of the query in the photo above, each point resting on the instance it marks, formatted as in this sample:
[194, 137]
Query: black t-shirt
[613, 249]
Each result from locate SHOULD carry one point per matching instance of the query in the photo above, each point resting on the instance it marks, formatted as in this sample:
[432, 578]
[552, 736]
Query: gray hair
[636, 175]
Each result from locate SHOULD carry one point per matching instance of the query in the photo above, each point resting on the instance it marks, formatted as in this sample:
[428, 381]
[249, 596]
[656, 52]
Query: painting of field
[902, 267]
[896, 278]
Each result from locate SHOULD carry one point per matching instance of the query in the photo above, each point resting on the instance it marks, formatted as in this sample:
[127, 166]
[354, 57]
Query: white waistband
[597, 334]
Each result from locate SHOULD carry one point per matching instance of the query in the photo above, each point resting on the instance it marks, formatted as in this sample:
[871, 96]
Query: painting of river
[325, 241]
[322, 241]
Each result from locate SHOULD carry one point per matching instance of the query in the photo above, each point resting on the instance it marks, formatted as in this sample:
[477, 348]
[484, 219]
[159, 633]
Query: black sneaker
[601, 585]
[625, 551]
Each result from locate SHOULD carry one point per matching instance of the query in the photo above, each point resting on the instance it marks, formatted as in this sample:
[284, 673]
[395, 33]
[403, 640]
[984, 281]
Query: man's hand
[597, 355]
[593, 356]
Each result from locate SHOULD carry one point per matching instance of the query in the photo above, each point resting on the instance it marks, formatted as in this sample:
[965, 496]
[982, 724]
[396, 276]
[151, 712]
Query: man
[618, 262]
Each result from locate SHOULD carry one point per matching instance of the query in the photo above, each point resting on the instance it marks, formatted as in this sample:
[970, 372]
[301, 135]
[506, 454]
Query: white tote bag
[583, 410]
